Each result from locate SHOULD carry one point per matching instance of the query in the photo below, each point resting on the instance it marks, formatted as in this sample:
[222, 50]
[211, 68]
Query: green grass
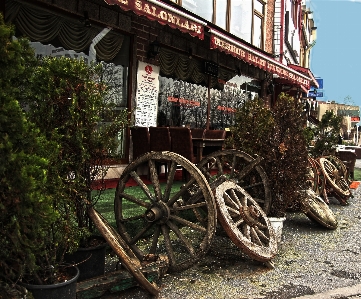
[357, 174]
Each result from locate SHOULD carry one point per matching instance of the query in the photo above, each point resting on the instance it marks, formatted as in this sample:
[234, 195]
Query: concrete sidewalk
[351, 292]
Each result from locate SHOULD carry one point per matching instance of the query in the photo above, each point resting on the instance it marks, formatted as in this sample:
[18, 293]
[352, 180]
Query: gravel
[311, 259]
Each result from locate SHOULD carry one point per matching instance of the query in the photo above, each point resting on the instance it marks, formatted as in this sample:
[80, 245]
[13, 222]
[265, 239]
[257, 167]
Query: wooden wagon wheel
[341, 167]
[130, 262]
[159, 220]
[245, 222]
[336, 180]
[316, 178]
[316, 209]
[312, 175]
[242, 169]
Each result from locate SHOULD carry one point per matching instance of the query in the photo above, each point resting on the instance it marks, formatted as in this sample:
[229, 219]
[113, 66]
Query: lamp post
[356, 134]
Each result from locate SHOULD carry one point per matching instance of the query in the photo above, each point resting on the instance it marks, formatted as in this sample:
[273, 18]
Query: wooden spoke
[170, 180]
[140, 233]
[140, 182]
[182, 237]
[155, 240]
[189, 224]
[135, 200]
[154, 179]
[182, 192]
[168, 245]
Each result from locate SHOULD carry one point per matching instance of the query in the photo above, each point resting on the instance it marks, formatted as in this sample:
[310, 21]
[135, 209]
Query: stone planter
[277, 224]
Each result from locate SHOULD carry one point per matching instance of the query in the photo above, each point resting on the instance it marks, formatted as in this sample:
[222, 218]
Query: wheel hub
[158, 212]
[250, 215]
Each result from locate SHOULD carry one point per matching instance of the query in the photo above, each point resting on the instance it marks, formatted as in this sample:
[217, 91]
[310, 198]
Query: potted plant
[36, 222]
[278, 136]
[70, 106]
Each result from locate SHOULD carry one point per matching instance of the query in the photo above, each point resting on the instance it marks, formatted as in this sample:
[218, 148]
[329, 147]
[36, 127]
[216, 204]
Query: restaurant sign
[258, 60]
[158, 12]
[183, 102]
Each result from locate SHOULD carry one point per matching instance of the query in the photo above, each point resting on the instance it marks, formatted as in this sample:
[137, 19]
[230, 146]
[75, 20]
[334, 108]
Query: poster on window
[147, 95]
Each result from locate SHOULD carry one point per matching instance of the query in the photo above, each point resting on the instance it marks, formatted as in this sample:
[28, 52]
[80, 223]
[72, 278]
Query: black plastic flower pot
[63, 290]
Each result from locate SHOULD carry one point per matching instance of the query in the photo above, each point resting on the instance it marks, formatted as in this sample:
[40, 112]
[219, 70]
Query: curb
[340, 293]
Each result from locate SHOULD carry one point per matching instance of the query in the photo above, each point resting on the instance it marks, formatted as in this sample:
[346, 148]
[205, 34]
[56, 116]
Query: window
[202, 8]
[257, 31]
[115, 76]
[243, 18]
[258, 17]
[221, 13]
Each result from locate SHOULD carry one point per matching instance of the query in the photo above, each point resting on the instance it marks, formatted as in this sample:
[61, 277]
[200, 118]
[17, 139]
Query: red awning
[283, 81]
[164, 14]
[304, 89]
[241, 51]
[305, 71]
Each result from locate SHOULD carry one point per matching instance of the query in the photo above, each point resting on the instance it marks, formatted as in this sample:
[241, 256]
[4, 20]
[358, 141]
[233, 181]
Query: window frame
[255, 13]
[260, 15]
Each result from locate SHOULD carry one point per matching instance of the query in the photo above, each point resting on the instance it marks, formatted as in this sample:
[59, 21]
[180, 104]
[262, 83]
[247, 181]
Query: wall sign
[258, 60]
[162, 15]
[147, 95]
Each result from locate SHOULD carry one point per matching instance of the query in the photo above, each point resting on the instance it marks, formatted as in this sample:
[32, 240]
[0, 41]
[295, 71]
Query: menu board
[147, 95]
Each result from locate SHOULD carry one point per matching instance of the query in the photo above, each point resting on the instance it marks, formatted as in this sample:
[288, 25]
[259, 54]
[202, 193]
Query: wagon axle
[159, 211]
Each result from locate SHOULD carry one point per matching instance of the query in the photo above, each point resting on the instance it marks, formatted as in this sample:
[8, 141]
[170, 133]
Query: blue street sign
[314, 93]
[320, 83]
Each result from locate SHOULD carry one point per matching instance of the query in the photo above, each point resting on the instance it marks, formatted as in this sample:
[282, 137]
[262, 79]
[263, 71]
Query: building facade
[180, 62]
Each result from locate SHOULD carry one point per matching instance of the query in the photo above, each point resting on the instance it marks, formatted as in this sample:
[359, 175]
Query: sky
[336, 56]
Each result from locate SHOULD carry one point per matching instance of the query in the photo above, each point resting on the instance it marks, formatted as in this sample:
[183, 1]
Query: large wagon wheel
[316, 178]
[242, 169]
[317, 210]
[341, 167]
[245, 222]
[159, 220]
[336, 180]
